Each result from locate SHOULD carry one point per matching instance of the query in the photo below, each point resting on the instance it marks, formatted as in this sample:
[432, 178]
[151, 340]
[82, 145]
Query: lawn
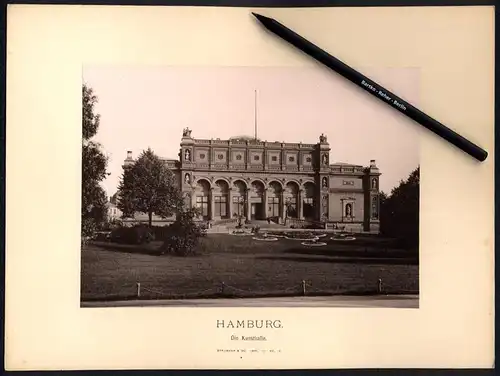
[238, 266]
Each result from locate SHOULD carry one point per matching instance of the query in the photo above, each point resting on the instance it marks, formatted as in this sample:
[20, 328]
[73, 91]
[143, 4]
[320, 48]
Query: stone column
[300, 204]
[212, 205]
[283, 206]
[230, 203]
[247, 204]
[265, 204]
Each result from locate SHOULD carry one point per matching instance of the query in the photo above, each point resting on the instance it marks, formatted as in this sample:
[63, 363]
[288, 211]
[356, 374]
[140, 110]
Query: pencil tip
[260, 17]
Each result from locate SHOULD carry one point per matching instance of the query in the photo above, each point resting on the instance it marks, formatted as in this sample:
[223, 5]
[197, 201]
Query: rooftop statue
[186, 132]
[322, 138]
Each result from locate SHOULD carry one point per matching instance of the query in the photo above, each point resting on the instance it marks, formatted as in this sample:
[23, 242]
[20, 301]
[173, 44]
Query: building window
[256, 157]
[274, 158]
[220, 156]
[202, 204]
[202, 156]
[220, 206]
[291, 159]
[274, 206]
[238, 157]
[238, 206]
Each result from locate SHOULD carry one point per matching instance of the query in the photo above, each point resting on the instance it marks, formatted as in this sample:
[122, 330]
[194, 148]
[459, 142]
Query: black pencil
[372, 87]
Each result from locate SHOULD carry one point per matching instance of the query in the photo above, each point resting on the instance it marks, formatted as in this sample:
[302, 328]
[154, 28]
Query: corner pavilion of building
[259, 179]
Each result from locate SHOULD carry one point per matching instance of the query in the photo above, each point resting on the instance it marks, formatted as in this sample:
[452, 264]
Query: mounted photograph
[247, 186]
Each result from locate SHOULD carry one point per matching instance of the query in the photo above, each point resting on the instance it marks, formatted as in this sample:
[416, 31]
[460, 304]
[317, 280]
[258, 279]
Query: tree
[244, 138]
[94, 163]
[399, 212]
[149, 187]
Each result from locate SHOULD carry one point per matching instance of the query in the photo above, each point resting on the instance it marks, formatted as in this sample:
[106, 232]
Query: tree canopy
[94, 164]
[399, 211]
[244, 138]
[149, 187]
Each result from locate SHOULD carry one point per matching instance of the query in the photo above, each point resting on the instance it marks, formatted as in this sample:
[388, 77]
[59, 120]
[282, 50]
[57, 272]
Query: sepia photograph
[185, 157]
[245, 186]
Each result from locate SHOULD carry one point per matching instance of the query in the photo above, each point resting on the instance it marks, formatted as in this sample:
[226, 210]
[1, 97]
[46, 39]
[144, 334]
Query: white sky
[143, 107]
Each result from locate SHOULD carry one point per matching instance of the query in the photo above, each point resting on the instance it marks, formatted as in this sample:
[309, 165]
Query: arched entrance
[221, 199]
[308, 201]
[202, 193]
[256, 204]
[239, 198]
[291, 199]
[274, 199]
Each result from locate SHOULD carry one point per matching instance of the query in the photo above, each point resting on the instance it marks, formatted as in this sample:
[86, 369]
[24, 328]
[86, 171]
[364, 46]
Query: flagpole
[255, 113]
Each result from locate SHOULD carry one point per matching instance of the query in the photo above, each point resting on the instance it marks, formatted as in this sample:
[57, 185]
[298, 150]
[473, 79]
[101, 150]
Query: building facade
[260, 179]
[113, 211]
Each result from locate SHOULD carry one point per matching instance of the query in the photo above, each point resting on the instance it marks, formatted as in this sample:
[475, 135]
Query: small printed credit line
[371, 87]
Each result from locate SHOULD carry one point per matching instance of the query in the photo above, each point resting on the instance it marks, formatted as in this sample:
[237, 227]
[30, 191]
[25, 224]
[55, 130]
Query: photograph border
[270, 3]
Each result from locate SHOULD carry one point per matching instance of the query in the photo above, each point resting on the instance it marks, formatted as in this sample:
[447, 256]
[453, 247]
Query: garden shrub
[159, 231]
[182, 236]
[138, 234]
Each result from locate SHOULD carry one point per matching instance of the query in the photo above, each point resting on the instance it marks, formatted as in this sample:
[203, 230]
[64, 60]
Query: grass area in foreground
[247, 268]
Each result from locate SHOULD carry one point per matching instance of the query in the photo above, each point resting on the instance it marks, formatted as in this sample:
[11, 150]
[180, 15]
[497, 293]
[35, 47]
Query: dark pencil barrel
[372, 87]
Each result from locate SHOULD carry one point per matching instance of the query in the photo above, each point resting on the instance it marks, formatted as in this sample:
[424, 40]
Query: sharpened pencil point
[260, 17]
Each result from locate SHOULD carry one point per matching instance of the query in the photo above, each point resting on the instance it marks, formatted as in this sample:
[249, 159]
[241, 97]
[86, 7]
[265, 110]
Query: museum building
[259, 179]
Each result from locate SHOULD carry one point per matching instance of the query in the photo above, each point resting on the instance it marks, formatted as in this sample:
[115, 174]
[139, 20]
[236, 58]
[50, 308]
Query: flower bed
[240, 233]
[265, 238]
[300, 236]
[313, 244]
[274, 234]
[343, 238]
